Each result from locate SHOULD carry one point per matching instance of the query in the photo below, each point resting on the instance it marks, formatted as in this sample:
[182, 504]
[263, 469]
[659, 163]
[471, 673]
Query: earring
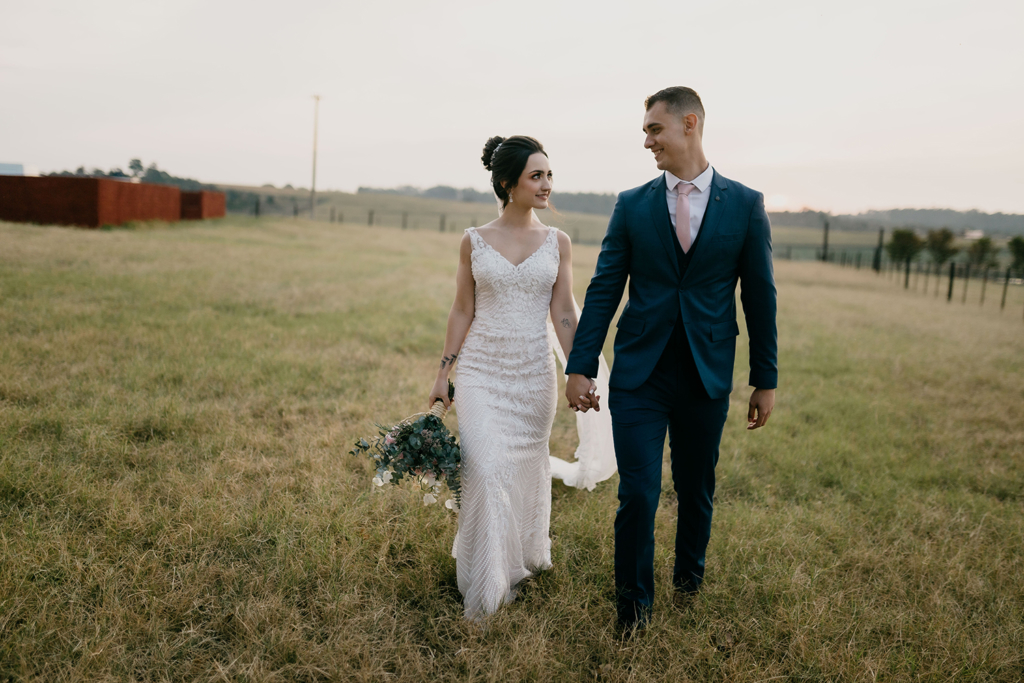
[510, 199]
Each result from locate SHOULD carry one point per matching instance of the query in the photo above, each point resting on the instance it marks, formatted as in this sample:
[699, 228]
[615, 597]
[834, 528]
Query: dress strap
[474, 238]
[553, 232]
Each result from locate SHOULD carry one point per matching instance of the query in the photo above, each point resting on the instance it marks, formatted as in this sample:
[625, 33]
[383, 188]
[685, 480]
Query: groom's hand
[581, 393]
[762, 401]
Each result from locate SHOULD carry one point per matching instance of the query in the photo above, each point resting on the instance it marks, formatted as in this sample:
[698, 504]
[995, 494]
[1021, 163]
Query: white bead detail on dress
[505, 397]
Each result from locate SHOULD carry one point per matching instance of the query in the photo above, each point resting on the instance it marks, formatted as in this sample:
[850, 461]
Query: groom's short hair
[680, 101]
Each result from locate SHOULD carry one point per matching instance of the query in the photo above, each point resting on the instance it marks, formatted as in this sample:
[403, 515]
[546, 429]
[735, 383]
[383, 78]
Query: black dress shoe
[626, 630]
[683, 600]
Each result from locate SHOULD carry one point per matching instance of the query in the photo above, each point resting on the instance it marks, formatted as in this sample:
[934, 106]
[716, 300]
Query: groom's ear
[691, 123]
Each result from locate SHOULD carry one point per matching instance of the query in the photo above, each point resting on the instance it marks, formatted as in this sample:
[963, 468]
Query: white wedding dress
[505, 396]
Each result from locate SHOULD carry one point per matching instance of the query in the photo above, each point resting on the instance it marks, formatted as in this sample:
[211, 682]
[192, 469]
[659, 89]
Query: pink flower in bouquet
[389, 440]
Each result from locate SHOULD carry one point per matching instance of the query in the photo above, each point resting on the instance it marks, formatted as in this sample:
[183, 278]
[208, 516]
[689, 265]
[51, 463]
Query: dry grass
[176, 502]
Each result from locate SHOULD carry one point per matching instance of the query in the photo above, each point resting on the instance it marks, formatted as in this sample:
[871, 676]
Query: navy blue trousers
[673, 398]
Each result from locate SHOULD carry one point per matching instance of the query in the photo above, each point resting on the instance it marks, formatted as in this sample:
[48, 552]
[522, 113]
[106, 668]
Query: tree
[940, 245]
[904, 245]
[982, 253]
[1016, 246]
[135, 166]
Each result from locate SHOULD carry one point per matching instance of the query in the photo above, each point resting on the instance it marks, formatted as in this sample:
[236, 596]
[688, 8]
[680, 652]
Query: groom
[682, 241]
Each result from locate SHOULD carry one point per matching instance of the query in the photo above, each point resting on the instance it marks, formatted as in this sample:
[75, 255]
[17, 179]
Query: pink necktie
[683, 214]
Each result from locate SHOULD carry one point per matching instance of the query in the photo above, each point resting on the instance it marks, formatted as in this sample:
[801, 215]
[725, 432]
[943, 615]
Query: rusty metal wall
[88, 202]
[204, 204]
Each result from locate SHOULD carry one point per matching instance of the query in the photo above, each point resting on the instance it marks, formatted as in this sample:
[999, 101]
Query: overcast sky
[836, 106]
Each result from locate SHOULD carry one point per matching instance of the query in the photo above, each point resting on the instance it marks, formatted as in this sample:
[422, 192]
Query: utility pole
[312, 194]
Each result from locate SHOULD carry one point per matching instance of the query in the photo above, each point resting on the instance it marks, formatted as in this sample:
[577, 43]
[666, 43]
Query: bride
[513, 272]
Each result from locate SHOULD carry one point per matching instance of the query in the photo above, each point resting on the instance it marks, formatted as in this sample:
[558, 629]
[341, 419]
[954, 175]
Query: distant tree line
[237, 201]
[906, 245]
[580, 202]
[602, 205]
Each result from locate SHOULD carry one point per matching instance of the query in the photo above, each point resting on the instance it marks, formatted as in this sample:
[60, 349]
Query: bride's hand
[439, 392]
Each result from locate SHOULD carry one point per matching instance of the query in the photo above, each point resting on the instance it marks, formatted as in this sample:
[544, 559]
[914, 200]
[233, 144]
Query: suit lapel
[661, 221]
[712, 216]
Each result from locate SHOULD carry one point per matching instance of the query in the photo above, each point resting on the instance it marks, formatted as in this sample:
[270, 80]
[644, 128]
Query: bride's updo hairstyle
[506, 158]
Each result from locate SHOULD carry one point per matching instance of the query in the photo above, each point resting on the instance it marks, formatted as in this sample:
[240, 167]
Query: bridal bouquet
[421, 448]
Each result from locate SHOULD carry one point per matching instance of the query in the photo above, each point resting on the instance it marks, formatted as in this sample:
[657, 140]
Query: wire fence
[961, 282]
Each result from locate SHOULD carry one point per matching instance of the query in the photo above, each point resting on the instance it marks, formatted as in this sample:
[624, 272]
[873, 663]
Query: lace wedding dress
[505, 397]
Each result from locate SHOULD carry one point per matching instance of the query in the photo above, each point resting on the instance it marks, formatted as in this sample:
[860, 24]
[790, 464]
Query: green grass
[176, 501]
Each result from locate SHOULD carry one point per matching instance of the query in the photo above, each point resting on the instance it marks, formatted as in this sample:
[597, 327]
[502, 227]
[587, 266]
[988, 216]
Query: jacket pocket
[628, 323]
[726, 330]
[728, 236]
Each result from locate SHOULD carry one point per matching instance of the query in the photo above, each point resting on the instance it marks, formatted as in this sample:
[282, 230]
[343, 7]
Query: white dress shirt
[698, 199]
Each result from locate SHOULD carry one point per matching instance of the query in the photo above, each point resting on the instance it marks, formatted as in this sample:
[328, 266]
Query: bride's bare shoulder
[487, 228]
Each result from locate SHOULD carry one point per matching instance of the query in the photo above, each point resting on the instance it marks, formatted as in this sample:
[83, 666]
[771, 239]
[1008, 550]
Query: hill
[572, 208]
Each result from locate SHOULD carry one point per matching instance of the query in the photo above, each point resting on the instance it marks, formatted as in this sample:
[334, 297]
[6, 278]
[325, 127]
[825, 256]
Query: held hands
[762, 401]
[581, 393]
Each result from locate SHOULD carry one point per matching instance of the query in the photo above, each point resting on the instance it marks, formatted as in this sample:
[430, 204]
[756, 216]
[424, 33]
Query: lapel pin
[717, 197]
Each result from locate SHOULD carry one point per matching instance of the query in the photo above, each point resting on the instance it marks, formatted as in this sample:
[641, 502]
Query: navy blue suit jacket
[735, 244]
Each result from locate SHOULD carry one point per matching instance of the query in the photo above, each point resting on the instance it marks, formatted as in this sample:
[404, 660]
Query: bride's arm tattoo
[565, 323]
[448, 361]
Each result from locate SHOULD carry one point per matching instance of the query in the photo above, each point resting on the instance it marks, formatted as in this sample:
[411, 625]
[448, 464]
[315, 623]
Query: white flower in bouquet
[451, 504]
[429, 499]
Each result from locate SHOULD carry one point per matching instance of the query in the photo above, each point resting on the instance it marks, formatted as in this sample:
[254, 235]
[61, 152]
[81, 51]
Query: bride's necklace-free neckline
[507, 259]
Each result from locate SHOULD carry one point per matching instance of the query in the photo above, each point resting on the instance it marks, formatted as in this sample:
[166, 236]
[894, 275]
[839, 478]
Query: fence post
[341, 217]
[858, 261]
[877, 262]
[927, 270]
[789, 253]
[369, 217]
[332, 214]
[442, 222]
[824, 248]
[1006, 285]
[256, 211]
[984, 281]
[967, 280]
[952, 277]
[906, 274]
[295, 208]
[405, 220]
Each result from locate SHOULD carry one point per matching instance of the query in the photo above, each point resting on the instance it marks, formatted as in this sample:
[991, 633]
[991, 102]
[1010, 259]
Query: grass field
[176, 501]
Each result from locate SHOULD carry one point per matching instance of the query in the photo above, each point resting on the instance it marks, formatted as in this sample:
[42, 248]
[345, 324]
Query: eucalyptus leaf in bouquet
[419, 448]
